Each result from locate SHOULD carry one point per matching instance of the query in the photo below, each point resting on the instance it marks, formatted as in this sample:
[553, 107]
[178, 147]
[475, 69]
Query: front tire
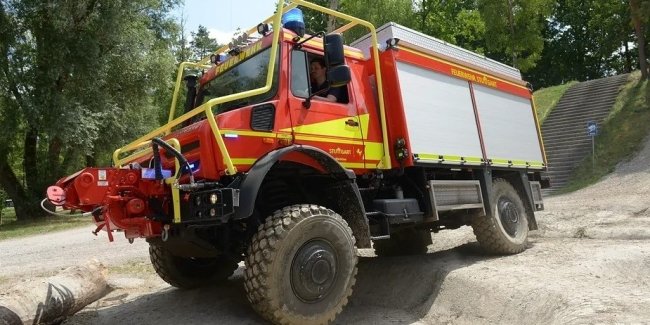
[301, 266]
[187, 272]
[506, 231]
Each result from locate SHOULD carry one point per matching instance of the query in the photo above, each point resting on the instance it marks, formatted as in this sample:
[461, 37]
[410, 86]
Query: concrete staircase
[565, 129]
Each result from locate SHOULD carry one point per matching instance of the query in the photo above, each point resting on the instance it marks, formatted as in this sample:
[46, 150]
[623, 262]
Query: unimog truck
[424, 136]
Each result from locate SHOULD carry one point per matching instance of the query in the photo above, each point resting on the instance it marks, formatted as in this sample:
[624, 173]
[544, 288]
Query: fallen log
[51, 300]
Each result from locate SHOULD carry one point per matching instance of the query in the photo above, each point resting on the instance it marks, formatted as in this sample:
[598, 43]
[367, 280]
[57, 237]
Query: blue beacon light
[293, 20]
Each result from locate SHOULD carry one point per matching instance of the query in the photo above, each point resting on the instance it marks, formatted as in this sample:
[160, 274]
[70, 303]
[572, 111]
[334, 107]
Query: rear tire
[406, 242]
[301, 266]
[187, 272]
[506, 232]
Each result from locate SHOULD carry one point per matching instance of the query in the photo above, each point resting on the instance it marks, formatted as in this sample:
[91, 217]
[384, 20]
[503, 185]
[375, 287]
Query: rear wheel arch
[519, 181]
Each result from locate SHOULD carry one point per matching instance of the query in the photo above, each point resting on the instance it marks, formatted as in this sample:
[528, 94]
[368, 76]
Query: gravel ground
[588, 263]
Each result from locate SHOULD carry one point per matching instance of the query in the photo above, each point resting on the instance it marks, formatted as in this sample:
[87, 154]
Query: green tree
[202, 44]
[77, 79]
[182, 50]
[378, 13]
[513, 30]
[584, 39]
[457, 22]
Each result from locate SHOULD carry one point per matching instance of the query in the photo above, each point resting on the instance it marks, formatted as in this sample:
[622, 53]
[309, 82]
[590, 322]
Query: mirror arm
[307, 103]
[298, 46]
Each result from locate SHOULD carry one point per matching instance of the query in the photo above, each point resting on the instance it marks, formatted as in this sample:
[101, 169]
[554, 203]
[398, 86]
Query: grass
[622, 135]
[547, 98]
[12, 228]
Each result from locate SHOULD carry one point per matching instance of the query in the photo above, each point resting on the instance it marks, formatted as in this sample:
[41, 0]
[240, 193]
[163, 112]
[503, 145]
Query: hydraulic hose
[54, 213]
[177, 155]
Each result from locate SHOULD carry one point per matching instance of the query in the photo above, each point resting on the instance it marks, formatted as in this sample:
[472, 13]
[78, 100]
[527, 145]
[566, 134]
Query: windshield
[248, 75]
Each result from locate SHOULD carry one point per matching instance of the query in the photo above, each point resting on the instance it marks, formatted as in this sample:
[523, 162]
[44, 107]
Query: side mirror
[339, 76]
[333, 48]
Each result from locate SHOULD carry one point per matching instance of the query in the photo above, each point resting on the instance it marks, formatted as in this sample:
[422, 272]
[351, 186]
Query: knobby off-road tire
[301, 266]
[506, 231]
[189, 273]
[407, 242]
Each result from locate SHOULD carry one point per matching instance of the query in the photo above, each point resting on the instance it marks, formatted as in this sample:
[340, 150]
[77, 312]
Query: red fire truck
[422, 136]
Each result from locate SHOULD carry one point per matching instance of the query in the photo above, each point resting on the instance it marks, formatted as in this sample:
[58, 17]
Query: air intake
[263, 117]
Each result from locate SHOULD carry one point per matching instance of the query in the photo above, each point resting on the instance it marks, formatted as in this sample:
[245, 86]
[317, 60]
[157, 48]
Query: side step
[455, 195]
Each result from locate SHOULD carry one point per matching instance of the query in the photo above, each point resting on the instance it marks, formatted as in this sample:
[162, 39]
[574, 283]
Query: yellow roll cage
[138, 147]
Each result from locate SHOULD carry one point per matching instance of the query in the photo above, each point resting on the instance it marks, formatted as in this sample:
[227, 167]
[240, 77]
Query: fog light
[214, 198]
[213, 212]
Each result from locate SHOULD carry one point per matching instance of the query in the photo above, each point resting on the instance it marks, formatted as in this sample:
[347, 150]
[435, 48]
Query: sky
[222, 17]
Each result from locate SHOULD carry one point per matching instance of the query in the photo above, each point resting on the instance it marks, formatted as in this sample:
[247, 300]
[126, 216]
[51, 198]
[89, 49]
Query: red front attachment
[120, 199]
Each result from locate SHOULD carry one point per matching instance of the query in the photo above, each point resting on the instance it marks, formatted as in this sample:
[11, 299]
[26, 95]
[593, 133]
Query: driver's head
[317, 70]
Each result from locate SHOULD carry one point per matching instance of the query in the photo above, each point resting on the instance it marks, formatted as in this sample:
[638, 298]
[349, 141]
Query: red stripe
[462, 73]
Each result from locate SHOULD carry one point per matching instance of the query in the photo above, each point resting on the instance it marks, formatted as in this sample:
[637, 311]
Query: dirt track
[588, 263]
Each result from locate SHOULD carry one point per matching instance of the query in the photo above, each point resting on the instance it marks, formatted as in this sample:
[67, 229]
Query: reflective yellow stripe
[250, 133]
[353, 165]
[328, 140]
[335, 128]
[243, 161]
[538, 128]
[251, 161]
[374, 150]
[517, 163]
[450, 158]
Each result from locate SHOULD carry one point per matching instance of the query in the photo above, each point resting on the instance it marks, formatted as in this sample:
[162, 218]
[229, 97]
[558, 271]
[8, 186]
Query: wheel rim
[509, 216]
[313, 270]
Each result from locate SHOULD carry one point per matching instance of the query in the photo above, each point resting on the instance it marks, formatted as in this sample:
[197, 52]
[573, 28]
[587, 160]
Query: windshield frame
[252, 52]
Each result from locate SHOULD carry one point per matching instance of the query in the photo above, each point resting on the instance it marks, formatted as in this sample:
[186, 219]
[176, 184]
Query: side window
[303, 78]
[299, 74]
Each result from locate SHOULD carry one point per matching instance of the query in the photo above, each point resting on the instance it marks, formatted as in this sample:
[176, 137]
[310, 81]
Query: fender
[520, 182]
[355, 213]
[524, 187]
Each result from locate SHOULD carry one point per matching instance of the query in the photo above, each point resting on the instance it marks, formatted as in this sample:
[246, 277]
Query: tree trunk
[511, 22]
[331, 20]
[53, 300]
[91, 161]
[54, 159]
[30, 166]
[628, 57]
[10, 183]
[639, 29]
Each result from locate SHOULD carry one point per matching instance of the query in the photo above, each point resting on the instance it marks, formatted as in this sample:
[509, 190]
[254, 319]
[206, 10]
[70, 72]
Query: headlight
[214, 198]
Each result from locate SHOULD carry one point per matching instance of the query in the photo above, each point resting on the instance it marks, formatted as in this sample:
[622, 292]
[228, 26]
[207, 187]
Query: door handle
[351, 122]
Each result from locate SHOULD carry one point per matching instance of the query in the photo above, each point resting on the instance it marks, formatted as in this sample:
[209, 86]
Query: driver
[319, 83]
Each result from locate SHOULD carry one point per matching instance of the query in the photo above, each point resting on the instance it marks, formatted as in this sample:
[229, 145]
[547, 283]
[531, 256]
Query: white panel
[508, 125]
[434, 46]
[439, 113]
